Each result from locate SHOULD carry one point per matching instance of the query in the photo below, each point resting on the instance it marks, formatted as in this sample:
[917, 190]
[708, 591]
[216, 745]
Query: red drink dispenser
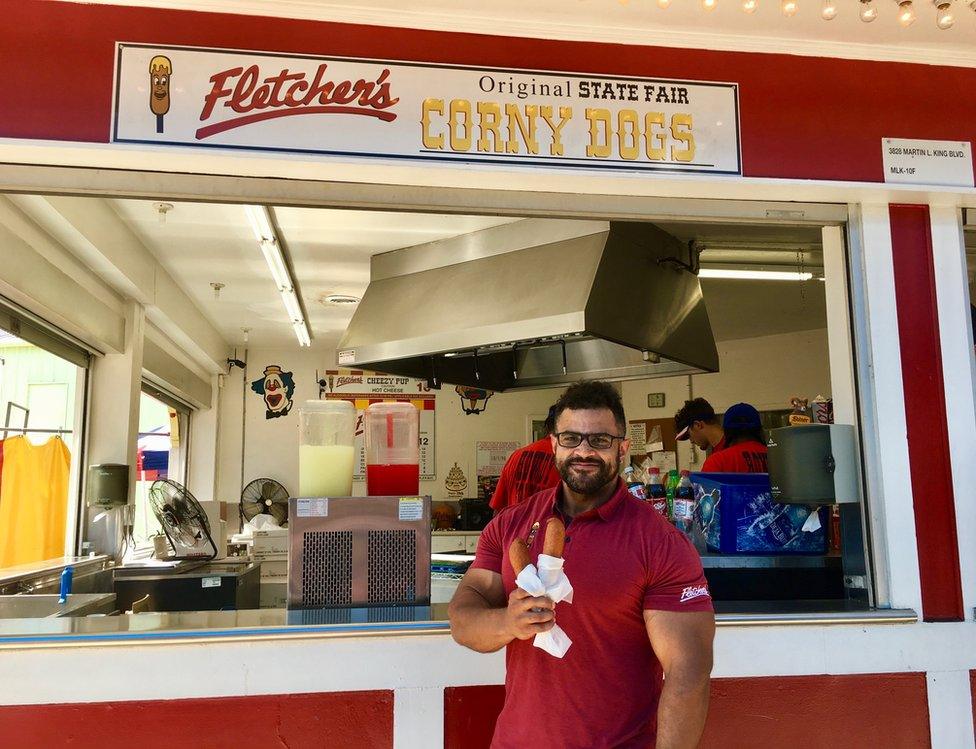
[392, 449]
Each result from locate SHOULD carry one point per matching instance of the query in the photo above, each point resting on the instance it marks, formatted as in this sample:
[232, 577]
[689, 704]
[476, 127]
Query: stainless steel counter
[209, 626]
[196, 626]
[44, 576]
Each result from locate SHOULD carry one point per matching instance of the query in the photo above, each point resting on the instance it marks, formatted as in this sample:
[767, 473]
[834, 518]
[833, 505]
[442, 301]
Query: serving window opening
[771, 291]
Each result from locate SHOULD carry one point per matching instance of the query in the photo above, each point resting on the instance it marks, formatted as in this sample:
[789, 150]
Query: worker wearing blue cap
[745, 444]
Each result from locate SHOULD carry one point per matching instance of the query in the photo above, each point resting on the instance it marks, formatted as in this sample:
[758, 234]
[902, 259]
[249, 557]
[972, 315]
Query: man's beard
[588, 483]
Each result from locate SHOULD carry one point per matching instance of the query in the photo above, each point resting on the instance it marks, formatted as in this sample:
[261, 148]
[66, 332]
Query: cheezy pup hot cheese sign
[339, 106]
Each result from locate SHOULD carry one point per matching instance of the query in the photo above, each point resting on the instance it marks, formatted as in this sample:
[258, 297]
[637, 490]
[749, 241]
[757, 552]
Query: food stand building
[628, 131]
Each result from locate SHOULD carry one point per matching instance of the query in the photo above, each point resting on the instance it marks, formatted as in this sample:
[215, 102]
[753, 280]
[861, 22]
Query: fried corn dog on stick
[518, 555]
[555, 538]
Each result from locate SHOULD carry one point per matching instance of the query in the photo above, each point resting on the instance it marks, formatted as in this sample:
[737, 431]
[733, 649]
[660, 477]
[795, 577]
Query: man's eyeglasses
[599, 441]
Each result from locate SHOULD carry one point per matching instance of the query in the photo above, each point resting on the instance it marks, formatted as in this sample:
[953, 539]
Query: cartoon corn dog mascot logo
[277, 387]
[160, 71]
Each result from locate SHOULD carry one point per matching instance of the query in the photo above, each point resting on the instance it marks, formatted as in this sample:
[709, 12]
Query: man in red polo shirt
[527, 471]
[641, 607]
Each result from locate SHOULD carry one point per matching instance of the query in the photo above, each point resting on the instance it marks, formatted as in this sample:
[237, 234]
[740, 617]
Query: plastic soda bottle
[670, 484]
[656, 493]
[684, 504]
[634, 485]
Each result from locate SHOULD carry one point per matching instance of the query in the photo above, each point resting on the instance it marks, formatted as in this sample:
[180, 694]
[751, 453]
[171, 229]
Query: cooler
[737, 515]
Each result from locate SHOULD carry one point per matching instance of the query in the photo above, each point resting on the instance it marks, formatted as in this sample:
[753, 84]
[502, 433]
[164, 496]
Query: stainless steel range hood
[535, 303]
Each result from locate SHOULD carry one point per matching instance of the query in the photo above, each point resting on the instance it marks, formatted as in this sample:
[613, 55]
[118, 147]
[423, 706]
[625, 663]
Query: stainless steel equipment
[358, 551]
[190, 586]
[814, 464]
[535, 303]
[43, 606]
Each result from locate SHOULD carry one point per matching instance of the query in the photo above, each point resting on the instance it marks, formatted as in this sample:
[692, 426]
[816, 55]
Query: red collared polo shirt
[621, 558]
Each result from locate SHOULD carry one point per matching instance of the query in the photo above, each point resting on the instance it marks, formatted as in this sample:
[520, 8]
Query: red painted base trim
[351, 720]
[925, 413]
[833, 712]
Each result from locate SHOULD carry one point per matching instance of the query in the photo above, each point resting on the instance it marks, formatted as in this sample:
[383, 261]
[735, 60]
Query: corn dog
[555, 538]
[518, 555]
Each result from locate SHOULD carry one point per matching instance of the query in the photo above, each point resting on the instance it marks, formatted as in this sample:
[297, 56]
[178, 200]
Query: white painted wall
[890, 509]
[764, 371]
[271, 447]
[791, 364]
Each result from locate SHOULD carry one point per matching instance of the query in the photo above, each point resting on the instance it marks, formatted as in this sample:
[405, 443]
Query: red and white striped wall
[834, 686]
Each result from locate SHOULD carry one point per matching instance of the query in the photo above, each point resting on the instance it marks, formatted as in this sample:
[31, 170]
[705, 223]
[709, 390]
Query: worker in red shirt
[528, 470]
[745, 444]
[640, 611]
[696, 421]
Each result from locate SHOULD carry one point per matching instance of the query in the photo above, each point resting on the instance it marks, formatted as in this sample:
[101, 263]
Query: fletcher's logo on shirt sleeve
[694, 591]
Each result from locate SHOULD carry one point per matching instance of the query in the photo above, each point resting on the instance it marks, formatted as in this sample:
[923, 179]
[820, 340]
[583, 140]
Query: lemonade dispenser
[392, 449]
[325, 448]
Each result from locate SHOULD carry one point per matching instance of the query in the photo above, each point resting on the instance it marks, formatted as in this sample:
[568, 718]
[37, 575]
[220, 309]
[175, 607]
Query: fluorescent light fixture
[292, 307]
[279, 271]
[754, 275]
[301, 330]
[260, 220]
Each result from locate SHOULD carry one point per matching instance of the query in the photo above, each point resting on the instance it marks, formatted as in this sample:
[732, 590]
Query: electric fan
[183, 520]
[265, 497]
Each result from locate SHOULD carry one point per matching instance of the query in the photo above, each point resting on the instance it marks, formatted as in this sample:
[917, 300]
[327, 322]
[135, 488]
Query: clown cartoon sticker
[160, 70]
[277, 387]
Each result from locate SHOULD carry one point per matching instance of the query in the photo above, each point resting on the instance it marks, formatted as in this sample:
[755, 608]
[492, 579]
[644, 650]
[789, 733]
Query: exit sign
[655, 400]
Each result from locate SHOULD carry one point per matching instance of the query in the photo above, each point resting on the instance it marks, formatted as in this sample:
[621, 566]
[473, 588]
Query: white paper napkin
[548, 580]
[812, 523]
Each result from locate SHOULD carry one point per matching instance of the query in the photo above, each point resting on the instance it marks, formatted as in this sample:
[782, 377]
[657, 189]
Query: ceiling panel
[200, 244]
[203, 243]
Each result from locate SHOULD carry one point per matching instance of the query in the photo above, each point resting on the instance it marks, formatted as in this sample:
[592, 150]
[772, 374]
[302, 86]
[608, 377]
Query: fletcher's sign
[183, 96]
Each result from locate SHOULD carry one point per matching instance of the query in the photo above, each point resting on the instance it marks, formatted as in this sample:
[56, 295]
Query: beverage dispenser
[392, 449]
[326, 454]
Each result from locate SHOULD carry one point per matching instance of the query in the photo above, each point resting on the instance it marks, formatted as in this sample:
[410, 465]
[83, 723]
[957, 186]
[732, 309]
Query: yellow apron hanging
[33, 500]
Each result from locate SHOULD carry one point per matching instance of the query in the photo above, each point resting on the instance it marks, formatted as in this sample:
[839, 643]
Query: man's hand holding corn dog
[528, 615]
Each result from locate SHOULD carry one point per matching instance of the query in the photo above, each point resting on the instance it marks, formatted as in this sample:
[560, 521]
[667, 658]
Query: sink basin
[41, 606]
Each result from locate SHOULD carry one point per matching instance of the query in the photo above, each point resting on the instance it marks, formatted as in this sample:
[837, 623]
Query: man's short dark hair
[591, 394]
[550, 425]
[697, 409]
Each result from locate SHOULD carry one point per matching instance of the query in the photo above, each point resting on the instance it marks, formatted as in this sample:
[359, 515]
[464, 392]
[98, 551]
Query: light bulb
[749, 6]
[946, 17]
[868, 11]
[906, 13]
[709, 4]
[829, 10]
[664, 4]
[789, 8]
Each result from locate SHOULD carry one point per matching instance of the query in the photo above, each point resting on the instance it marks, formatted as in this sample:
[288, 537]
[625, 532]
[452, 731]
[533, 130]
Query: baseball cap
[741, 416]
[697, 409]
